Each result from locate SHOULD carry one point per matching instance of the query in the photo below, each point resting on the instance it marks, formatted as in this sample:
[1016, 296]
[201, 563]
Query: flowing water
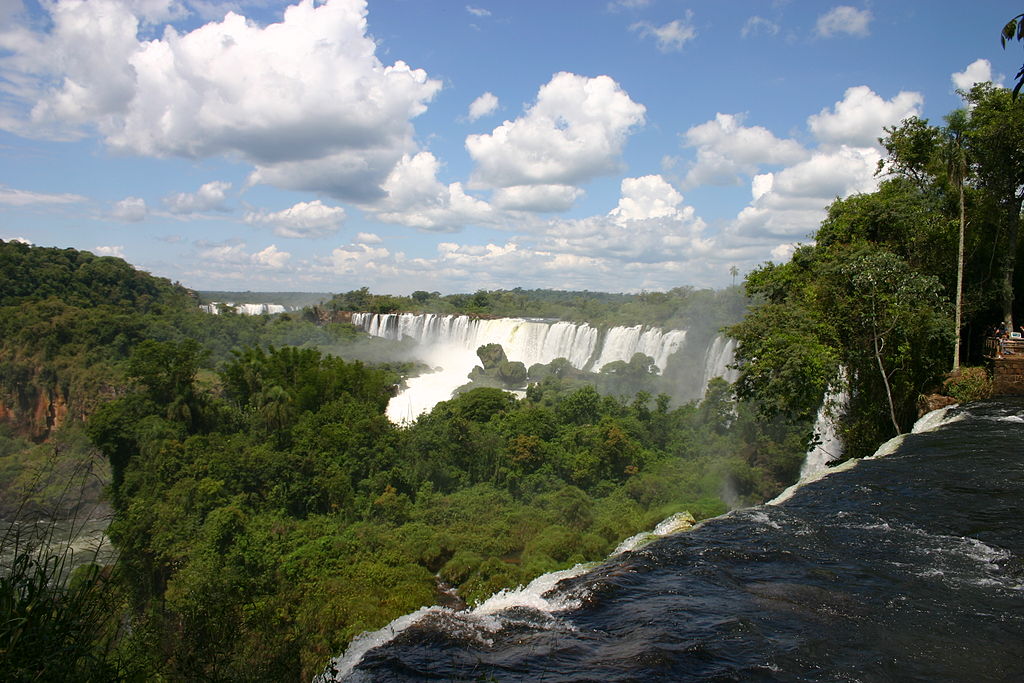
[903, 567]
[448, 344]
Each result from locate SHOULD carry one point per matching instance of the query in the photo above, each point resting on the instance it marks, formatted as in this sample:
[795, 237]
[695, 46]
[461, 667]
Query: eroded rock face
[926, 404]
[35, 412]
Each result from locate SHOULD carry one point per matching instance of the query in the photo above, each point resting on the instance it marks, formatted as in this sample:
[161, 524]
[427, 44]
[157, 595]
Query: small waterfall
[829, 447]
[717, 360]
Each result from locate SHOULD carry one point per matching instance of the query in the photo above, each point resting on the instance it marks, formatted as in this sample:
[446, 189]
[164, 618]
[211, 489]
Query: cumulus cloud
[670, 37]
[482, 106]
[129, 210]
[416, 198]
[303, 220]
[573, 132]
[114, 250]
[791, 203]
[648, 197]
[759, 26]
[861, 116]
[978, 71]
[650, 239]
[844, 19]
[234, 259]
[13, 197]
[209, 197]
[308, 89]
[271, 257]
[726, 150]
[478, 11]
[360, 259]
[542, 198]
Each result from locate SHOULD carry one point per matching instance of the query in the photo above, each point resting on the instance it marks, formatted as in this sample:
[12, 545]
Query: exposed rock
[930, 402]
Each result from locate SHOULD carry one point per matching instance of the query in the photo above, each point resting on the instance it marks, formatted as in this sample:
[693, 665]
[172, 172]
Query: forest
[265, 511]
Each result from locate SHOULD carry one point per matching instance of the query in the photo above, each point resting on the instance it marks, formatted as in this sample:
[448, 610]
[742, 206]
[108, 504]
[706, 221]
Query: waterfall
[717, 360]
[242, 309]
[829, 447]
[449, 342]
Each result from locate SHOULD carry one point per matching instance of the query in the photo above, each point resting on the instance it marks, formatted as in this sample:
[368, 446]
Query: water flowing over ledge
[449, 343]
[858, 576]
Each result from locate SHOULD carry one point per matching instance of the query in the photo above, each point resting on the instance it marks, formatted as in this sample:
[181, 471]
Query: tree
[956, 164]
[994, 140]
[1014, 30]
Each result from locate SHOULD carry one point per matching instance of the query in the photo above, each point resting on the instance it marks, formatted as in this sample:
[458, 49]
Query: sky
[402, 145]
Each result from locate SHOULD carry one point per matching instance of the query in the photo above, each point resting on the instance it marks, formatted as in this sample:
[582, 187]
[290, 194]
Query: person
[1003, 336]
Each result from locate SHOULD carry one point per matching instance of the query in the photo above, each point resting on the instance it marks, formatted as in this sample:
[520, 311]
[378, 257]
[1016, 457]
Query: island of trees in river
[265, 511]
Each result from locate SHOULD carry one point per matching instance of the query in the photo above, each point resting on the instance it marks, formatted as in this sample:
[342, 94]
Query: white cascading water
[829, 447]
[243, 309]
[449, 343]
[716, 362]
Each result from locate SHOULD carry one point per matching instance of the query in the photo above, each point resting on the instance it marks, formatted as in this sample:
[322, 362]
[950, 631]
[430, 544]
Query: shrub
[969, 384]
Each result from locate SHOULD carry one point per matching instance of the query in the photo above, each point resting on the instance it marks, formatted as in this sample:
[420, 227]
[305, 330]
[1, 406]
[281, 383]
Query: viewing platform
[1005, 359]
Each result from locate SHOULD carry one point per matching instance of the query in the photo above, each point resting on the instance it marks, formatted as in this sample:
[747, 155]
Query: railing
[997, 348]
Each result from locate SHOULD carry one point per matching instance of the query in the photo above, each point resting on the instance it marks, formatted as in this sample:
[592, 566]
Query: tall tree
[994, 140]
[956, 164]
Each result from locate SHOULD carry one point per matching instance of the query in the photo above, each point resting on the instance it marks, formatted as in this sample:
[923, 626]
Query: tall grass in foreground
[59, 609]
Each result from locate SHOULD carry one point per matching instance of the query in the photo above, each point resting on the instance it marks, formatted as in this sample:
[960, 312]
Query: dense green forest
[872, 305]
[266, 511]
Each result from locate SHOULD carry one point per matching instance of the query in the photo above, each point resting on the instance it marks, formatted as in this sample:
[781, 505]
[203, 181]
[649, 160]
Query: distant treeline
[681, 307]
[290, 300]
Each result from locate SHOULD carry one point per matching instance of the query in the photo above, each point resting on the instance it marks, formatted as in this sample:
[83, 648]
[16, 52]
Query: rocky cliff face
[36, 408]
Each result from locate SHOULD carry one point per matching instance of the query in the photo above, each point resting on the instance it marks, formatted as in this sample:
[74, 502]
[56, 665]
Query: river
[903, 567]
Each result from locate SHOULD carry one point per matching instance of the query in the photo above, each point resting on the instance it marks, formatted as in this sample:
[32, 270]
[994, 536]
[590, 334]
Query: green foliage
[1014, 30]
[969, 384]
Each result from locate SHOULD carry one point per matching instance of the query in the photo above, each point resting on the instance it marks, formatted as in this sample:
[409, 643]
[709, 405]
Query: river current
[903, 567]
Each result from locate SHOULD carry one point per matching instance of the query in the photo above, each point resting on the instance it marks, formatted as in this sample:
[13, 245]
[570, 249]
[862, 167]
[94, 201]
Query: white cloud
[14, 197]
[759, 26]
[415, 198]
[543, 198]
[303, 220]
[478, 11]
[271, 257]
[844, 19]
[791, 203]
[362, 260]
[574, 131]
[233, 259]
[482, 106]
[861, 116]
[782, 252]
[726, 150]
[670, 37]
[115, 250]
[367, 238]
[308, 89]
[209, 197]
[978, 71]
[647, 197]
[129, 210]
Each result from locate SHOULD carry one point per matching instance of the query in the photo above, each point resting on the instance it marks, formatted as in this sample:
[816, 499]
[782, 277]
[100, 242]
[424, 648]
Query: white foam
[935, 419]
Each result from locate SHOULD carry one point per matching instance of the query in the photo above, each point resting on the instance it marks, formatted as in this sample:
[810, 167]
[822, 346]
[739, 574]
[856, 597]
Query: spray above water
[448, 343]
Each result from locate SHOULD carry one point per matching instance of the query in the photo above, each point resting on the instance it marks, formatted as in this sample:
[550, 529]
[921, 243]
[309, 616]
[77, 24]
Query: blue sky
[404, 144]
